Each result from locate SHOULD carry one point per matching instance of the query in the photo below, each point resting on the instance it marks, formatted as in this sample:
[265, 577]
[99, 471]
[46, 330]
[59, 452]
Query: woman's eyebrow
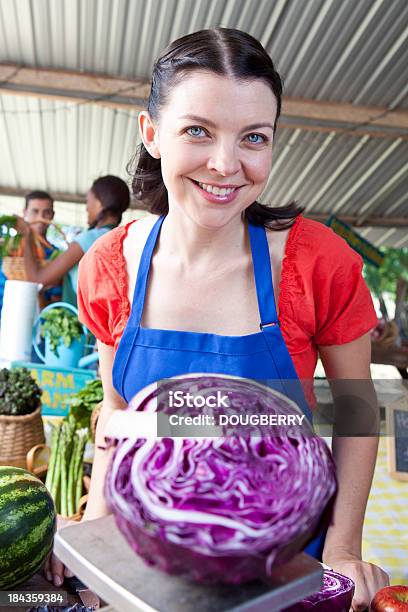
[252, 126]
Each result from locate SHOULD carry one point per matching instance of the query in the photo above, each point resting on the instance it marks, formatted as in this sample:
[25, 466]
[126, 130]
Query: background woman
[106, 200]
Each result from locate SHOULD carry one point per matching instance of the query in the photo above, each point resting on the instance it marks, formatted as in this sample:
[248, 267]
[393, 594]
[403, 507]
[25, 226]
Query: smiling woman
[225, 92]
[219, 160]
[215, 282]
[215, 157]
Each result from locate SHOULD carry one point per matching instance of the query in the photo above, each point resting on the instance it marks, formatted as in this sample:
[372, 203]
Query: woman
[106, 200]
[204, 276]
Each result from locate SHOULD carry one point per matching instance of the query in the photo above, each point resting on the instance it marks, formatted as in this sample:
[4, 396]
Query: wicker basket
[14, 269]
[17, 435]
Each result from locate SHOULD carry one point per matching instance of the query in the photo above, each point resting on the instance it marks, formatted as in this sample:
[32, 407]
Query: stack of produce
[19, 393]
[335, 595]
[27, 525]
[68, 440]
[21, 426]
[65, 469]
[83, 403]
[393, 598]
[10, 240]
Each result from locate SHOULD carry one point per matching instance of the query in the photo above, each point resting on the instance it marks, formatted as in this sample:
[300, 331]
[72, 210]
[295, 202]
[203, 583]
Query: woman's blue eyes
[199, 132]
[195, 131]
[256, 138]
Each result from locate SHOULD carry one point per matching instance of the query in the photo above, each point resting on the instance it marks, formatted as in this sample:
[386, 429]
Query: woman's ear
[148, 133]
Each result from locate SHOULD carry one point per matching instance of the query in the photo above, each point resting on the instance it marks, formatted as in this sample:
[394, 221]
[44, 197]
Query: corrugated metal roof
[336, 50]
[62, 146]
[333, 173]
[326, 49]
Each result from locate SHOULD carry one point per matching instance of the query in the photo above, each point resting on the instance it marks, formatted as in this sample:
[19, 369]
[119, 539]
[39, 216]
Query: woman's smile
[223, 194]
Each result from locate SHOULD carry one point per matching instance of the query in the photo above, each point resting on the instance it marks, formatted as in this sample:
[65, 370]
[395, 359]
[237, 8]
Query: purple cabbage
[220, 509]
[335, 595]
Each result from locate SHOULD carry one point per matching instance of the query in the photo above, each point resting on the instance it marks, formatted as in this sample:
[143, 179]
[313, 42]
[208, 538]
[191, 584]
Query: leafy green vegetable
[9, 239]
[19, 393]
[60, 326]
[8, 220]
[385, 277]
[83, 403]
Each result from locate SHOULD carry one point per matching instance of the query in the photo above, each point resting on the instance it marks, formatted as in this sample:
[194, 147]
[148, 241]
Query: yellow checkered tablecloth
[385, 535]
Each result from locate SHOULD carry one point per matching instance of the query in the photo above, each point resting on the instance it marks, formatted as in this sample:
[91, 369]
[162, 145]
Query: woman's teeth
[216, 190]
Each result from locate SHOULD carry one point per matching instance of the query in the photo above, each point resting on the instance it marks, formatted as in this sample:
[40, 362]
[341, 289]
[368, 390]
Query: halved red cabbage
[220, 509]
[335, 595]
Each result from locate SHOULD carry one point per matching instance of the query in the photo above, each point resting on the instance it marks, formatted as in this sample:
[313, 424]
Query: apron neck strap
[143, 272]
[263, 275]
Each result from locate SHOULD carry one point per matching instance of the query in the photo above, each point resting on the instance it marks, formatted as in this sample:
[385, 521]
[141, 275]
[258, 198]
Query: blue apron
[148, 355]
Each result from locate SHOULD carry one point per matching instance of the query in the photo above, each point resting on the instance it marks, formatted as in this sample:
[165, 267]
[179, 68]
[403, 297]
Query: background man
[39, 212]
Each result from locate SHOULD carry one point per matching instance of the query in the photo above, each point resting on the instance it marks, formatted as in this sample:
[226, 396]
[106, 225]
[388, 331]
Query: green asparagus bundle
[76, 471]
[55, 434]
[65, 470]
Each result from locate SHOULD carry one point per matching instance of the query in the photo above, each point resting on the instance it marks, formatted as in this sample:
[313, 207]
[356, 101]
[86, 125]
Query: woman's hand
[368, 578]
[54, 569]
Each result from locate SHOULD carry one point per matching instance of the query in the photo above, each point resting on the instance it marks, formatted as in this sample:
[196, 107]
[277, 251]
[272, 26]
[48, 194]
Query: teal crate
[57, 385]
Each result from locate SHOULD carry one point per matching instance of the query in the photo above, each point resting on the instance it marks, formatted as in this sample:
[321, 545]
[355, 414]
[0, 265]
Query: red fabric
[323, 300]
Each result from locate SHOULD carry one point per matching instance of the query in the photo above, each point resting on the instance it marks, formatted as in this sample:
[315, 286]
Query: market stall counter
[123, 579]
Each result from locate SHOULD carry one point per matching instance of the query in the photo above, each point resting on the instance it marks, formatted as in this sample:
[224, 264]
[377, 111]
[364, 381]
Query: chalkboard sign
[397, 438]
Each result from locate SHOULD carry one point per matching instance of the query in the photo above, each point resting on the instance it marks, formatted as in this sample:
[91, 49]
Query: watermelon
[27, 525]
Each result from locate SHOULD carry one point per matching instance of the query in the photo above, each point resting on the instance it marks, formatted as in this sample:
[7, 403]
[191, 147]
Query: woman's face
[93, 207]
[214, 137]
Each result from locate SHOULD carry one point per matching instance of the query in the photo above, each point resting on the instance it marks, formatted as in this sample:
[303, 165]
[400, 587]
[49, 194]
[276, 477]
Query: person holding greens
[106, 201]
[214, 281]
[39, 213]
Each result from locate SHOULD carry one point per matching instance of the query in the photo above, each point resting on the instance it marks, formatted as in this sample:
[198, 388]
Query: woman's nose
[224, 159]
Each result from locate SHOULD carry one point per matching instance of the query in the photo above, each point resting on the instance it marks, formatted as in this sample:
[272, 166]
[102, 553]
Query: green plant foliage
[384, 278]
[83, 403]
[19, 393]
[60, 326]
[9, 239]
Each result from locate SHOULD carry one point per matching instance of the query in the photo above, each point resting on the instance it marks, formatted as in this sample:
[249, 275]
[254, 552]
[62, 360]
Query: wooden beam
[19, 192]
[344, 112]
[59, 196]
[132, 94]
[82, 84]
[345, 130]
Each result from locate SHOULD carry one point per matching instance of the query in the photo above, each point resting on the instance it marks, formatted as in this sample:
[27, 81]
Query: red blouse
[323, 298]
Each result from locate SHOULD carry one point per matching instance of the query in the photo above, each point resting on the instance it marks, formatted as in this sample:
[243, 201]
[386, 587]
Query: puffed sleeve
[99, 289]
[344, 307]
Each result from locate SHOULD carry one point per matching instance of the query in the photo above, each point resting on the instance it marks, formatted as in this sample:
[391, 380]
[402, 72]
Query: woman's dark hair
[113, 194]
[225, 52]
